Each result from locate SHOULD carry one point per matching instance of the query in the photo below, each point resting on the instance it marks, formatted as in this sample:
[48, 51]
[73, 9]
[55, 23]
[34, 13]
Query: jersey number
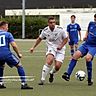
[2, 41]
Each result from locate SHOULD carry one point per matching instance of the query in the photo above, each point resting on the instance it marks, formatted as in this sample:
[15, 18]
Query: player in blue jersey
[73, 30]
[88, 48]
[6, 56]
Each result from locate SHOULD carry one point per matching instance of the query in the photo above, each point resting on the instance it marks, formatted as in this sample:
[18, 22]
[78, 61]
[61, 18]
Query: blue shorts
[72, 42]
[11, 60]
[84, 49]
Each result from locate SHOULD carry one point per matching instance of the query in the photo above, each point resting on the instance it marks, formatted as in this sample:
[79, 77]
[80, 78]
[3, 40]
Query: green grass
[33, 64]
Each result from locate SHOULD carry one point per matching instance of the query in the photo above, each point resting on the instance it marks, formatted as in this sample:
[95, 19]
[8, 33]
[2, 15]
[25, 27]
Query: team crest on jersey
[75, 26]
[91, 27]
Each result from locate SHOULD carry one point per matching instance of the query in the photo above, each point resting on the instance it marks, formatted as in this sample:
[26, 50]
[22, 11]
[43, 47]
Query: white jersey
[53, 38]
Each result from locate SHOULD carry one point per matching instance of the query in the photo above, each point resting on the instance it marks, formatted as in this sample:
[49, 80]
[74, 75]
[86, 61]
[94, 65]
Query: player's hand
[31, 50]
[20, 55]
[84, 39]
[59, 48]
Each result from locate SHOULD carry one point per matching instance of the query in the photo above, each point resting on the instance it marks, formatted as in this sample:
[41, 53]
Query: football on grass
[80, 75]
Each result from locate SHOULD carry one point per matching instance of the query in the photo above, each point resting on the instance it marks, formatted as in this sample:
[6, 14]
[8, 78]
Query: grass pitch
[33, 64]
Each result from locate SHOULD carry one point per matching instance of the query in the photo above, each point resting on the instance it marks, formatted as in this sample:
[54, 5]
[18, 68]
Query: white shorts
[58, 54]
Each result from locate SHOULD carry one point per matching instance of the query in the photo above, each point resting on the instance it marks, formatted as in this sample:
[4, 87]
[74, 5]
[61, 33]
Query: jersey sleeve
[10, 38]
[79, 28]
[42, 35]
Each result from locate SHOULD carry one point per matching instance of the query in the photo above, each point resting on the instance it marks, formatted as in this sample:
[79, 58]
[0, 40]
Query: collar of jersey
[54, 28]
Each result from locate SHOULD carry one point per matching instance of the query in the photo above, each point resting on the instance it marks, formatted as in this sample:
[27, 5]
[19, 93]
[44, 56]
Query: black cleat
[90, 82]
[41, 83]
[66, 76]
[25, 86]
[2, 86]
[51, 78]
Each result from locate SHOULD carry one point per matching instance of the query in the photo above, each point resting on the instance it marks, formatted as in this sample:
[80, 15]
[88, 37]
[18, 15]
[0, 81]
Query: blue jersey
[91, 39]
[73, 30]
[5, 39]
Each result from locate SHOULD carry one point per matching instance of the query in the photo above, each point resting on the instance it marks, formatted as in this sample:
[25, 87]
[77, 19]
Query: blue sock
[71, 66]
[1, 73]
[89, 69]
[21, 73]
[72, 52]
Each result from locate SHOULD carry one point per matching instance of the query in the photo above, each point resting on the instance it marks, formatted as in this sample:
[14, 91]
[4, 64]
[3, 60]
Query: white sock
[45, 71]
[53, 70]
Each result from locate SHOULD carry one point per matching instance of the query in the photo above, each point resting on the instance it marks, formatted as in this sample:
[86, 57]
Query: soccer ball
[80, 75]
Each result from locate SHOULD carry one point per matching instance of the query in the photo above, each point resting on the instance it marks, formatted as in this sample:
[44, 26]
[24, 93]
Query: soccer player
[73, 29]
[6, 56]
[56, 38]
[88, 48]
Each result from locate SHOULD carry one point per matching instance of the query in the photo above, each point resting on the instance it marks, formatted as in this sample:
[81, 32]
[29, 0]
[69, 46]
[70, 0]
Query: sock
[53, 70]
[89, 69]
[1, 74]
[45, 71]
[21, 73]
[71, 66]
[72, 52]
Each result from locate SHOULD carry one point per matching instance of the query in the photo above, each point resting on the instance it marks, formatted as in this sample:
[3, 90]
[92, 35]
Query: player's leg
[59, 57]
[54, 70]
[89, 57]
[12, 61]
[80, 52]
[22, 75]
[46, 68]
[49, 60]
[72, 49]
[1, 74]
[76, 44]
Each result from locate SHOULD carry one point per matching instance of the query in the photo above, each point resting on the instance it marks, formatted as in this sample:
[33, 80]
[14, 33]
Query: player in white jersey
[56, 38]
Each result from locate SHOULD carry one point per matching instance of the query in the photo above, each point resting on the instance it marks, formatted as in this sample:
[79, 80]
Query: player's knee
[49, 62]
[57, 67]
[88, 58]
[18, 65]
[77, 55]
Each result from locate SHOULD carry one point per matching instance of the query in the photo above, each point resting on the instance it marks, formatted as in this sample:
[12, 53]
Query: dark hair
[95, 15]
[73, 16]
[3, 23]
[50, 18]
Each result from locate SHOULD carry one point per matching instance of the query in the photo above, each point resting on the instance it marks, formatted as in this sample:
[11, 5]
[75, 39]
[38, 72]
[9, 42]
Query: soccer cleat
[41, 83]
[51, 78]
[66, 76]
[2, 86]
[25, 86]
[90, 82]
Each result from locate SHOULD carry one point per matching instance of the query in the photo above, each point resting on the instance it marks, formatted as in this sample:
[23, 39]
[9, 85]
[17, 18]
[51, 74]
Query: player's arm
[68, 29]
[80, 35]
[86, 35]
[65, 40]
[15, 48]
[35, 45]
[79, 31]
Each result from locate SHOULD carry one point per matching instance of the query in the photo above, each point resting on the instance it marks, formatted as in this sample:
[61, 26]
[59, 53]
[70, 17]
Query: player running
[56, 38]
[88, 48]
[6, 56]
[73, 29]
